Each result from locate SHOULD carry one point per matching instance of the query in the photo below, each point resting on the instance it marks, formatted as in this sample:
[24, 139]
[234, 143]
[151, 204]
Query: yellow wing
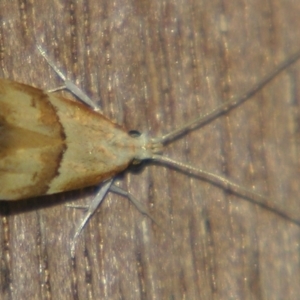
[50, 144]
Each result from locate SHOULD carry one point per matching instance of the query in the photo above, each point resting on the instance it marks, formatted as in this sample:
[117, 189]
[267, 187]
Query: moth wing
[30, 137]
[49, 144]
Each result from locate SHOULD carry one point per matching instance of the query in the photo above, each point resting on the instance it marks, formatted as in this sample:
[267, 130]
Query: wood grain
[153, 65]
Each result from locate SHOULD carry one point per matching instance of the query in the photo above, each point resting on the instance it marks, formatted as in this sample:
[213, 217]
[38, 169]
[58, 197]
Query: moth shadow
[27, 205]
[32, 204]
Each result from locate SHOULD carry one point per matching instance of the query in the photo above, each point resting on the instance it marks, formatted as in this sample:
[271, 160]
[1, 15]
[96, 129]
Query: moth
[50, 144]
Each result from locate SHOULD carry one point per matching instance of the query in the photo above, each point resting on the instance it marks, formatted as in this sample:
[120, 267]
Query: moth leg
[140, 207]
[59, 88]
[68, 84]
[91, 209]
[108, 186]
[77, 206]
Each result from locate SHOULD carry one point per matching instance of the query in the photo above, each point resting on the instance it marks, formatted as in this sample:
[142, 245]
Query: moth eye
[136, 166]
[134, 133]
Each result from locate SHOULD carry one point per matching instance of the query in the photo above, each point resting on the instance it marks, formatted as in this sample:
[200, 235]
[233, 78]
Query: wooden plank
[155, 65]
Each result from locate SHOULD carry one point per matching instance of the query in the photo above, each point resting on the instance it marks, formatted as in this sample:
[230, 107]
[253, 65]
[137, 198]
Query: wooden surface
[154, 65]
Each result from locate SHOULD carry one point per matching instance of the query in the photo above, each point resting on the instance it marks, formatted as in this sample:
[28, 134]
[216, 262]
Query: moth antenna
[157, 143]
[226, 106]
[224, 182]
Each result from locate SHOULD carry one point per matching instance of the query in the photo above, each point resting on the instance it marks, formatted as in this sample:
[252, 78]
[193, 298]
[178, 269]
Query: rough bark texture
[153, 65]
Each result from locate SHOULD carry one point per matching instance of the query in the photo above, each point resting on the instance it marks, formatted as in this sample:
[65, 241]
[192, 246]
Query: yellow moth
[50, 144]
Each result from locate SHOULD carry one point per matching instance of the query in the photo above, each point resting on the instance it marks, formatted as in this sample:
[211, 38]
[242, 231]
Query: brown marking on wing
[32, 141]
[97, 149]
